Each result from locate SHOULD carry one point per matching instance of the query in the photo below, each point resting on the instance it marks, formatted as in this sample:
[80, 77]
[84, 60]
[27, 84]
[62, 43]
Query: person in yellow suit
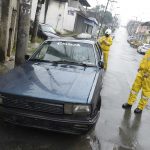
[105, 43]
[142, 81]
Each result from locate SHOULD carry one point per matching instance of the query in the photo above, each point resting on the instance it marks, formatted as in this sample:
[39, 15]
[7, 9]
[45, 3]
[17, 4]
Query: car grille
[23, 103]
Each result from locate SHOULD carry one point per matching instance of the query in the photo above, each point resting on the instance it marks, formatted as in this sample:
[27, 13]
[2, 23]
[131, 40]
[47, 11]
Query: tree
[107, 18]
[99, 14]
[4, 28]
[47, 2]
[23, 31]
[98, 8]
[36, 20]
[98, 11]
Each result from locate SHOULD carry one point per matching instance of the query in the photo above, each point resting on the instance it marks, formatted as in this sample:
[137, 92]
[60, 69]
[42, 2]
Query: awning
[93, 20]
[89, 22]
[85, 3]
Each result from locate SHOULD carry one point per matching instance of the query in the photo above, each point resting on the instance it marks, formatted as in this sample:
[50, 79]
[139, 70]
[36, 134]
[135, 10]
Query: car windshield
[66, 51]
[47, 28]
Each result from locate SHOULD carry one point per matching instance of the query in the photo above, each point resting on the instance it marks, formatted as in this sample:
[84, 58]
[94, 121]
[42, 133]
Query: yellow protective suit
[105, 43]
[142, 81]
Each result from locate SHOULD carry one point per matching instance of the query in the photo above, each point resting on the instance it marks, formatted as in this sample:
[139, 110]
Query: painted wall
[33, 11]
[55, 14]
[60, 16]
[69, 18]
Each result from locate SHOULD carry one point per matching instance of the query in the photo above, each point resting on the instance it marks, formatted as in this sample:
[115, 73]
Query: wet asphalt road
[115, 130]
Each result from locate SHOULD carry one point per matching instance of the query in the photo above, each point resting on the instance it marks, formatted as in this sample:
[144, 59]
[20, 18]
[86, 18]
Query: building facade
[143, 32]
[67, 16]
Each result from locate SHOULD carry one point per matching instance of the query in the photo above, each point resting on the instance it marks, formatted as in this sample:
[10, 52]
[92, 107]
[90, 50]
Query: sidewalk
[9, 64]
[4, 68]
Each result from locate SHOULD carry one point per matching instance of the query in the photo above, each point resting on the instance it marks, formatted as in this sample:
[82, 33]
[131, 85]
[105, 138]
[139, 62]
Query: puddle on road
[94, 141]
[128, 131]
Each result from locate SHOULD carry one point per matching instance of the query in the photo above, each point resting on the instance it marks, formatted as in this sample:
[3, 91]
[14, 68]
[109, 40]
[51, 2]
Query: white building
[65, 16]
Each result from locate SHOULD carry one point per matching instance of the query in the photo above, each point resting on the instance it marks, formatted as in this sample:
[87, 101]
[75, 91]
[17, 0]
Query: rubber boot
[126, 106]
[138, 111]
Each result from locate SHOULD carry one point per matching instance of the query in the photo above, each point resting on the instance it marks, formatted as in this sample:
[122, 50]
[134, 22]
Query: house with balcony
[66, 16]
[143, 32]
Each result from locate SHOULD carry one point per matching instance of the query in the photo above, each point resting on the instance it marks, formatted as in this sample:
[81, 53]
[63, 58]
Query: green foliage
[99, 7]
[106, 17]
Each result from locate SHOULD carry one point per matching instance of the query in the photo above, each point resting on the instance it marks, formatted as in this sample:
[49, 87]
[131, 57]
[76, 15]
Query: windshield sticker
[68, 44]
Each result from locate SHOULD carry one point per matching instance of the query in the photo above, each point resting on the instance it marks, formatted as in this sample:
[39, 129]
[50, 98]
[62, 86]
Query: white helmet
[108, 31]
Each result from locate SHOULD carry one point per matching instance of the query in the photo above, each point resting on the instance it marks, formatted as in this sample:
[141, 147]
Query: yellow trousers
[105, 54]
[140, 83]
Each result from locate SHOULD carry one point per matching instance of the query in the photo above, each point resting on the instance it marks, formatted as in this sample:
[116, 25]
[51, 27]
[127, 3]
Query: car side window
[42, 52]
[99, 48]
[98, 52]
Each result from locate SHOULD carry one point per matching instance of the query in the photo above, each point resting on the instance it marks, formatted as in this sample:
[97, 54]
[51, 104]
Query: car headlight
[77, 109]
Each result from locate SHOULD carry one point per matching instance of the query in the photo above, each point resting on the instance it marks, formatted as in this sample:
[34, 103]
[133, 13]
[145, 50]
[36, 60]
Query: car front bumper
[25, 118]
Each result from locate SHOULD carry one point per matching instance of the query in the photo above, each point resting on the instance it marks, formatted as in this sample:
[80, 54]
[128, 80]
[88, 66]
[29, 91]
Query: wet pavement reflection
[128, 131]
[116, 128]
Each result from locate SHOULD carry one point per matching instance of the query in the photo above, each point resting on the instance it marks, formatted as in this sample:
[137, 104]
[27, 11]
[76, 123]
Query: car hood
[60, 82]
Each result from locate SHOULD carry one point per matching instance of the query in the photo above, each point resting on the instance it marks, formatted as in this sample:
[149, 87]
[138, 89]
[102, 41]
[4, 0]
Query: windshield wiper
[63, 61]
[86, 65]
[73, 62]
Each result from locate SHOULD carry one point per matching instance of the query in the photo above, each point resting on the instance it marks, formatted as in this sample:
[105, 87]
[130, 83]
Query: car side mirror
[26, 57]
[101, 64]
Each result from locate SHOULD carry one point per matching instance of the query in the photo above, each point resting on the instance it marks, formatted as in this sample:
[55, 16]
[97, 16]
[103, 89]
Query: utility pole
[103, 18]
[108, 1]
[23, 31]
[36, 20]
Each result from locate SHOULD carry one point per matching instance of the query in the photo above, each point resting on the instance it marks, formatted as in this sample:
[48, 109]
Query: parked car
[57, 88]
[84, 36]
[45, 31]
[135, 43]
[143, 49]
[131, 38]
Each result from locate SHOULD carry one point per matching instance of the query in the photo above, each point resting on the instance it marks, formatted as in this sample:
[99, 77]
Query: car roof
[72, 40]
[42, 24]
